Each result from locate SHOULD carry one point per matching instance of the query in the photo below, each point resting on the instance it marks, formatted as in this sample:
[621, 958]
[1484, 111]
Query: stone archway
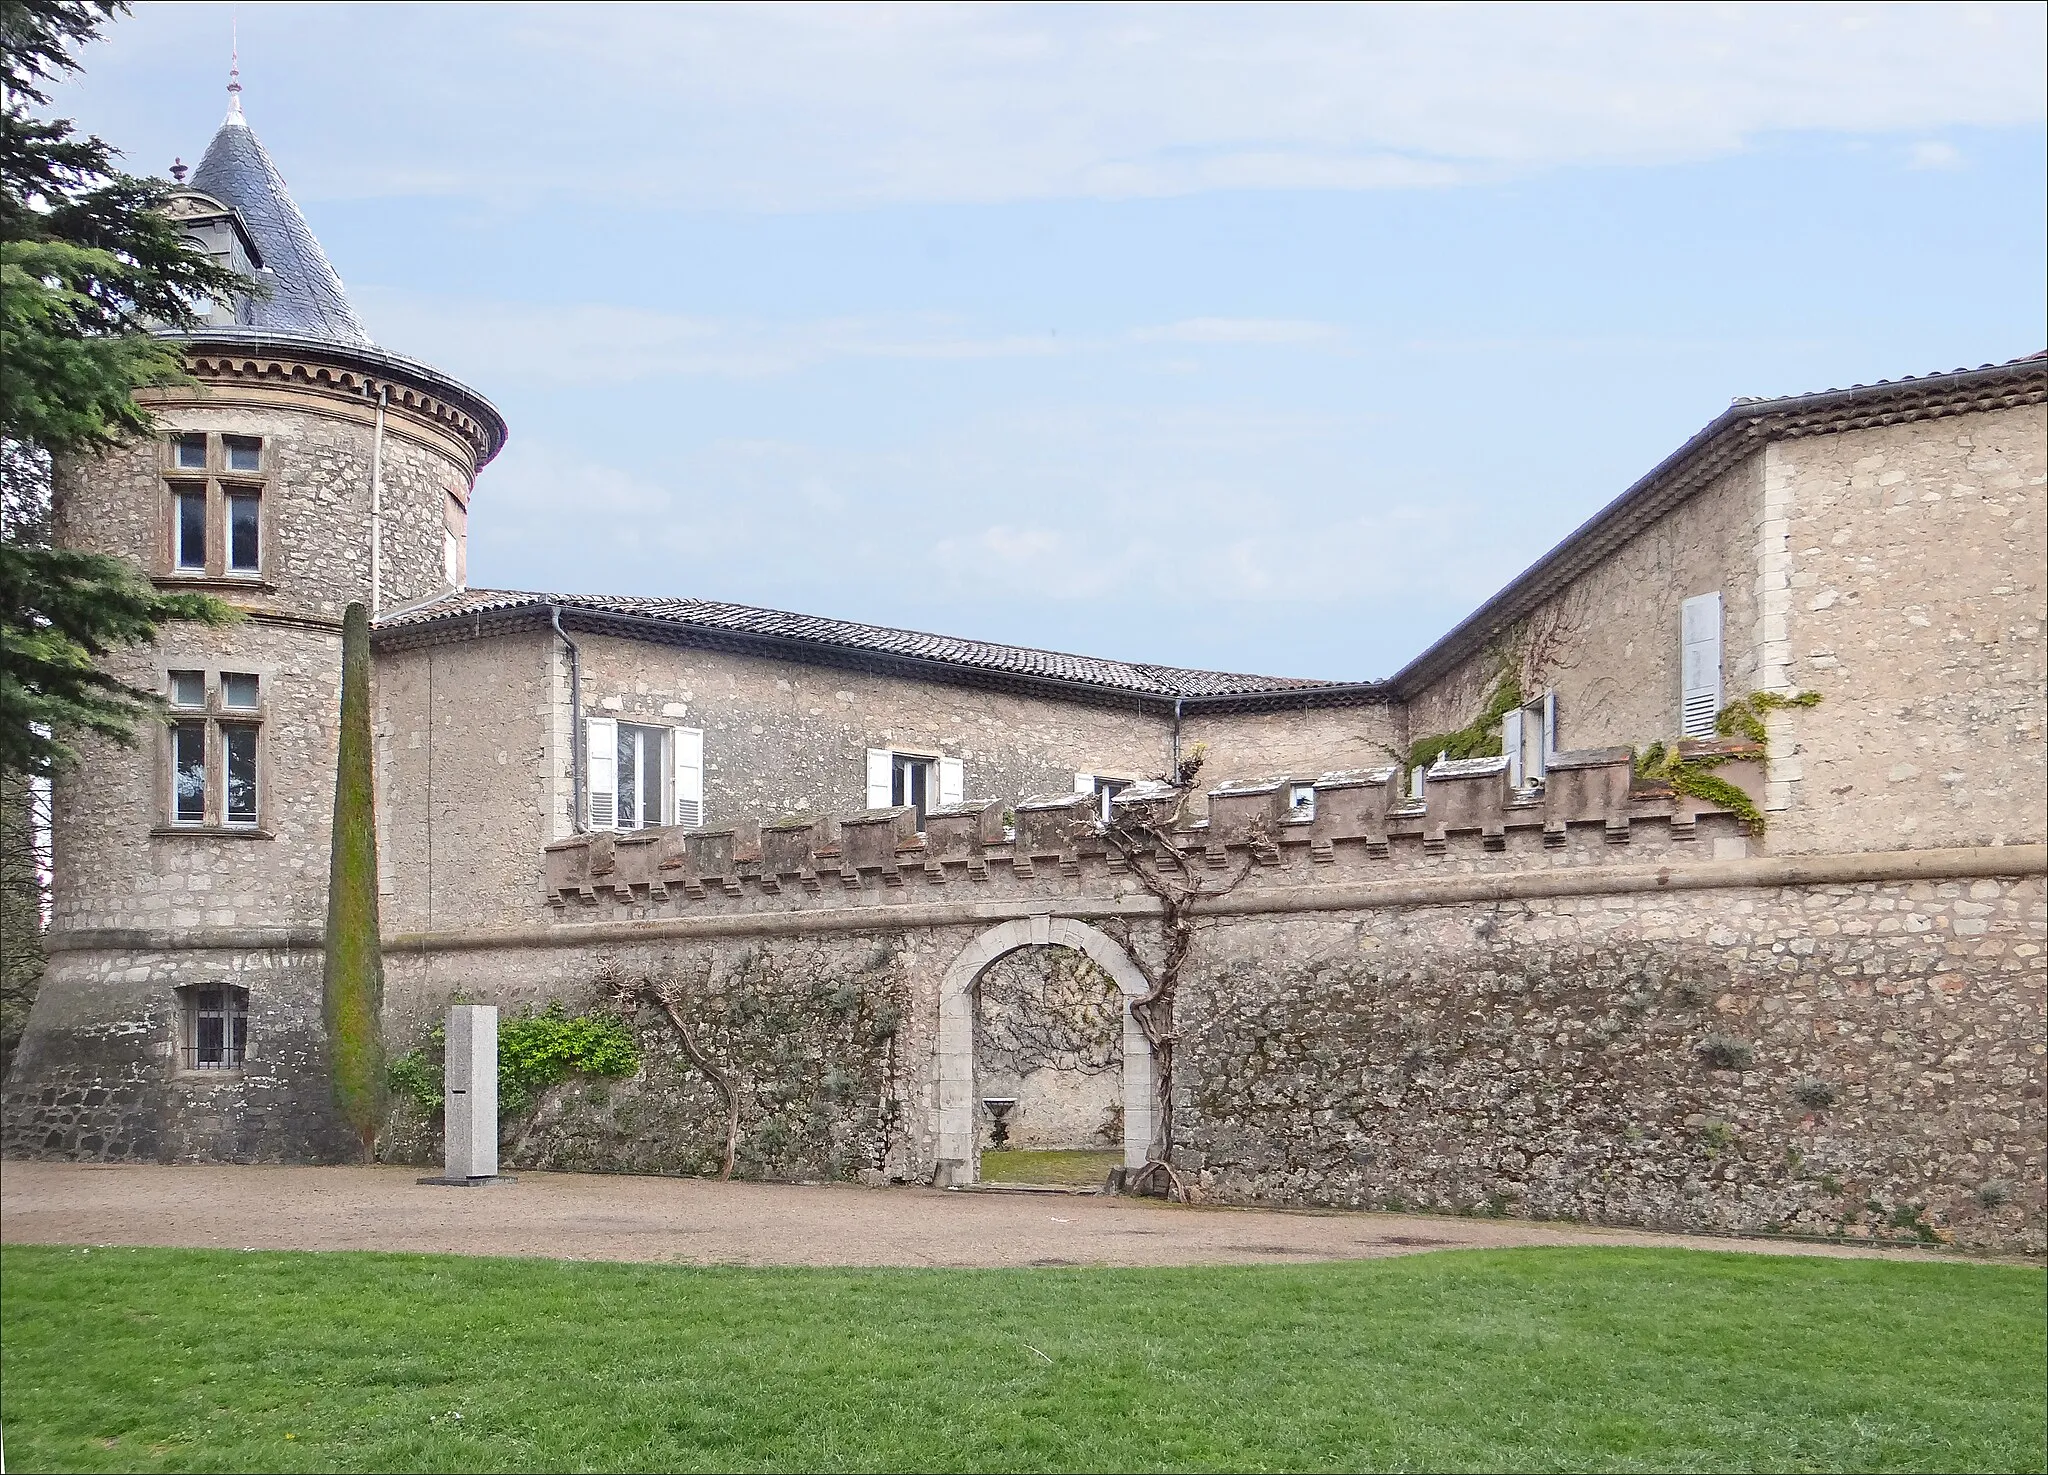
[956, 1036]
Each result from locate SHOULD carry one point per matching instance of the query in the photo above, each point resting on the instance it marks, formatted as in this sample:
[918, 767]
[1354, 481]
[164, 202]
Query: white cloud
[822, 106]
[596, 343]
[1934, 155]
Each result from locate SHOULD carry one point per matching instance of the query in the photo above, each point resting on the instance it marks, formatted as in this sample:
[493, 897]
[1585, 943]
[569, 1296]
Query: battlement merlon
[1269, 821]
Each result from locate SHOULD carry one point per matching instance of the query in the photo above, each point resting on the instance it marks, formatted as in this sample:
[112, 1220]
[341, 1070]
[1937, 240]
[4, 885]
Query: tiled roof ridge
[1136, 677]
[1746, 424]
[1738, 431]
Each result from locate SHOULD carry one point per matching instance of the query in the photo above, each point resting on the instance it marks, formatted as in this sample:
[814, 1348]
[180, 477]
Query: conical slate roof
[306, 296]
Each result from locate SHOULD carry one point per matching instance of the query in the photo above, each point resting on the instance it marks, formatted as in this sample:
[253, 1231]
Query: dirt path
[698, 1222]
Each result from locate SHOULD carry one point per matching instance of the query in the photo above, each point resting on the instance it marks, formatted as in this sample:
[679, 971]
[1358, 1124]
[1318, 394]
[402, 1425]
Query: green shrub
[535, 1051]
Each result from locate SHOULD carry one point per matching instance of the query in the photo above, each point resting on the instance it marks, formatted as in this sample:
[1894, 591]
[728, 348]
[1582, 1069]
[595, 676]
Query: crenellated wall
[1357, 822]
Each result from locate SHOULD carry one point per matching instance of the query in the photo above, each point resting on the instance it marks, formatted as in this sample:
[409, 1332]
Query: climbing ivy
[1742, 718]
[1479, 738]
[535, 1051]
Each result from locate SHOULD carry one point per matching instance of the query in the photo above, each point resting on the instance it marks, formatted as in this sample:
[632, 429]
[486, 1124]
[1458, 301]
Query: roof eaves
[1743, 427]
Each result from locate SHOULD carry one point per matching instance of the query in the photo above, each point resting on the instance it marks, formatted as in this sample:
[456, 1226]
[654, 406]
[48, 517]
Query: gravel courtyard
[701, 1222]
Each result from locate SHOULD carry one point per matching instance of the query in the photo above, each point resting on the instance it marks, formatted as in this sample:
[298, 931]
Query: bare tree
[1147, 836]
[630, 993]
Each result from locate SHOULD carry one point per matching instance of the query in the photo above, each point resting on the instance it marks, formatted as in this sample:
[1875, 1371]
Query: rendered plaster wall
[1609, 643]
[468, 756]
[99, 1078]
[780, 736]
[1302, 744]
[1916, 558]
[1552, 1059]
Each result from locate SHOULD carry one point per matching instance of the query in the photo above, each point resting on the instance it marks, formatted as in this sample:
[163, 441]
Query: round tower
[301, 469]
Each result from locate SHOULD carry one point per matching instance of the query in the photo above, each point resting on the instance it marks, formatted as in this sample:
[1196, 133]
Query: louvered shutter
[881, 768]
[1084, 783]
[689, 748]
[1700, 699]
[601, 771]
[952, 781]
[1511, 745]
[1547, 750]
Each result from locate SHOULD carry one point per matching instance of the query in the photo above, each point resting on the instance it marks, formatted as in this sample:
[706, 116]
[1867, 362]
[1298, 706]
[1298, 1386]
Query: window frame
[215, 720]
[230, 1006]
[217, 486]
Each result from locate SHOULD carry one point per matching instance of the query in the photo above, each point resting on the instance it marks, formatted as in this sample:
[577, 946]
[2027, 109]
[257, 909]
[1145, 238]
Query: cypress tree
[352, 980]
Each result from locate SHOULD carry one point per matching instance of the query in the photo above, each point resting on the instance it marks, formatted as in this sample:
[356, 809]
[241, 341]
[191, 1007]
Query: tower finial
[234, 73]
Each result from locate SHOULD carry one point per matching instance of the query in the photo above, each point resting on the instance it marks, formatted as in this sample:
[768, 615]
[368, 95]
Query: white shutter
[1700, 698]
[1084, 783]
[688, 743]
[881, 769]
[1511, 745]
[1548, 749]
[601, 771]
[952, 781]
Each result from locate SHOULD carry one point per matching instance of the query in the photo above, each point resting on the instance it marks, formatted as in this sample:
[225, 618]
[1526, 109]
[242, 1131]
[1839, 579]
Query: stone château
[1545, 980]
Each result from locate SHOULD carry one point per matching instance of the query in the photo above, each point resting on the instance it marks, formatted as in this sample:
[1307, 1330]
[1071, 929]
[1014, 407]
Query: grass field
[1068, 1169]
[1542, 1359]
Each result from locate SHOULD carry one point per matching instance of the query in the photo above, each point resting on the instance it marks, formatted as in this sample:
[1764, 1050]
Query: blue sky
[1264, 339]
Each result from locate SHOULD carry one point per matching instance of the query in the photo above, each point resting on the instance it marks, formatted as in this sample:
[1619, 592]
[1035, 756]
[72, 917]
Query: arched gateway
[956, 1036]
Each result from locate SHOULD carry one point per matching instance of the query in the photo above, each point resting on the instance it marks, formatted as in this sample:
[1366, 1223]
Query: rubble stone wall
[1918, 607]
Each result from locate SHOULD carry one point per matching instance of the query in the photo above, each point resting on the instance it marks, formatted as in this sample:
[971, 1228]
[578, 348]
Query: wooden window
[214, 755]
[911, 780]
[215, 528]
[1105, 790]
[636, 777]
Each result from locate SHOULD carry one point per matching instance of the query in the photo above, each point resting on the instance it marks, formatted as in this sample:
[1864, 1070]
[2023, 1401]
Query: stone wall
[1664, 1041]
[99, 1076]
[1853, 1059]
[1609, 644]
[1916, 557]
[1301, 743]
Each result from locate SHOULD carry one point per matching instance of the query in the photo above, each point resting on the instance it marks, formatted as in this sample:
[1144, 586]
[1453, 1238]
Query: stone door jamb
[956, 1036]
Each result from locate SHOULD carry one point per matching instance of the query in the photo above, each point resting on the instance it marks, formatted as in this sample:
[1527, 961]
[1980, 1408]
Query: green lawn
[1068, 1169]
[1521, 1359]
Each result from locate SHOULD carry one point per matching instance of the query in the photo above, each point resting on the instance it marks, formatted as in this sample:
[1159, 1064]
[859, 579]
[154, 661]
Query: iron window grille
[216, 1027]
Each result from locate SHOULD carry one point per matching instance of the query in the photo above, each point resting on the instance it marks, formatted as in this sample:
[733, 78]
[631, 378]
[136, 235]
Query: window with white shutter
[1549, 747]
[601, 769]
[881, 771]
[952, 781]
[1511, 745]
[1700, 661]
[689, 751]
[1084, 783]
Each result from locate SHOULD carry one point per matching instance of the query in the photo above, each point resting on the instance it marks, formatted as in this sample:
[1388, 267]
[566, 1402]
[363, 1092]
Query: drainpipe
[377, 507]
[575, 715]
